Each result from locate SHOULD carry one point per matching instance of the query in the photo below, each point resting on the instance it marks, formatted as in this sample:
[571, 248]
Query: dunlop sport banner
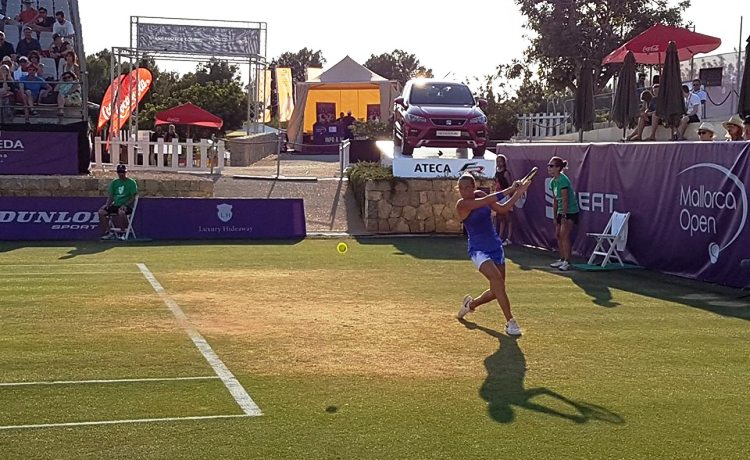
[192, 39]
[688, 203]
[284, 88]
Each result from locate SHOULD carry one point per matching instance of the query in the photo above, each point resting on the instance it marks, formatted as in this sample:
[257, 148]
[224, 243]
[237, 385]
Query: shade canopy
[188, 114]
[584, 101]
[670, 103]
[650, 46]
[626, 106]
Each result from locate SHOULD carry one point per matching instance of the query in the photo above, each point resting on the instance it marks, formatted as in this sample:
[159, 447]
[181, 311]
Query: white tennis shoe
[465, 307]
[511, 328]
[557, 263]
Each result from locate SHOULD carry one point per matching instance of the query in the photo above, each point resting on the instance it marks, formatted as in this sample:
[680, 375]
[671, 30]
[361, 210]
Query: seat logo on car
[448, 122]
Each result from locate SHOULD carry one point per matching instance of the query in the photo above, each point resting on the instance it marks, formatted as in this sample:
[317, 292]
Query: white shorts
[480, 257]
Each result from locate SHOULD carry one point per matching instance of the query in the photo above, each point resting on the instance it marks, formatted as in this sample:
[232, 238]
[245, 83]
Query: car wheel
[478, 151]
[407, 149]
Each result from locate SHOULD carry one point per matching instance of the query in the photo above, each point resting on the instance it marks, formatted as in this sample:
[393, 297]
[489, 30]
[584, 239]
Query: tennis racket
[530, 176]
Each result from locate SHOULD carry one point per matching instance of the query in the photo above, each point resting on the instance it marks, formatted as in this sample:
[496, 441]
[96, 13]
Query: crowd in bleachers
[39, 69]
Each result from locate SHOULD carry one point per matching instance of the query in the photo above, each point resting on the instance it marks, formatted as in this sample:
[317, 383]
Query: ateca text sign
[428, 168]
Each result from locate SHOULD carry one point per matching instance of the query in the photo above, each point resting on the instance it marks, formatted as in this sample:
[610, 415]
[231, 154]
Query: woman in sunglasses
[566, 210]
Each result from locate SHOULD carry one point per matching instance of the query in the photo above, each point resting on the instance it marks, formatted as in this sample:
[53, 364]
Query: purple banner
[211, 218]
[77, 218]
[688, 203]
[43, 153]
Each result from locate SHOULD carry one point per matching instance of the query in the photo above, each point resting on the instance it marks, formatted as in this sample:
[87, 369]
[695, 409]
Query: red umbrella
[188, 114]
[650, 46]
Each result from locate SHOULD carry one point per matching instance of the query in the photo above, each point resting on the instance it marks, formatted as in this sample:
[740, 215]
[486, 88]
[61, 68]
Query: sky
[455, 39]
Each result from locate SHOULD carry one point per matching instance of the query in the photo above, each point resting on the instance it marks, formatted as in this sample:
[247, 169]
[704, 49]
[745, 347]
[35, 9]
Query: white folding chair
[612, 240]
[124, 233]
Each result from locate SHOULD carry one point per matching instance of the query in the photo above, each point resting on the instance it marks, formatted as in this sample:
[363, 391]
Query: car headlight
[481, 120]
[415, 118]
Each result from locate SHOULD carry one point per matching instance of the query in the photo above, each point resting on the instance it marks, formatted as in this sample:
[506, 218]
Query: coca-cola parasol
[650, 46]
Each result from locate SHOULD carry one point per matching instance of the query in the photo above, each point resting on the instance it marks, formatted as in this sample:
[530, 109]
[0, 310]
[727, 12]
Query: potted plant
[366, 133]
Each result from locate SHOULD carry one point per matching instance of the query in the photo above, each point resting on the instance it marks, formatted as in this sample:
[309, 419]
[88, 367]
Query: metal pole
[738, 82]
[278, 154]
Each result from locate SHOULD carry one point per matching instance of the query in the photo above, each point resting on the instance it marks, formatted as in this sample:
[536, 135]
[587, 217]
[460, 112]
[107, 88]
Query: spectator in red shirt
[42, 23]
[28, 13]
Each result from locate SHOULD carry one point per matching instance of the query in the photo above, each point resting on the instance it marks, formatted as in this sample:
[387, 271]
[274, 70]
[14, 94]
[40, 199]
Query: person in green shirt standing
[566, 210]
[122, 193]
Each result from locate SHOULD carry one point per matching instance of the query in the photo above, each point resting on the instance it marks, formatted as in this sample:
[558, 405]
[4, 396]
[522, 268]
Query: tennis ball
[342, 248]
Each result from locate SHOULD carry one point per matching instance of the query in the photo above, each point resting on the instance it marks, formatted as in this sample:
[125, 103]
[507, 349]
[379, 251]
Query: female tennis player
[485, 247]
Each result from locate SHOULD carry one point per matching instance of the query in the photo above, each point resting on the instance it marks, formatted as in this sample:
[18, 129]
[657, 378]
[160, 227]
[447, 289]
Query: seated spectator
[6, 48]
[640, 85]
[27, 43]
[8, 90]
[648, 107]
[68, 93]
[28, 13]
[71, 64]
[56, 50]
[706, 132]
[21, 68]
[698, 90]
[34, 87]
[34, 58]
[747, 128]
[42, 23]
[62, 26]
[692, 105]
[734, 127]
[120, 197]
[650, 115]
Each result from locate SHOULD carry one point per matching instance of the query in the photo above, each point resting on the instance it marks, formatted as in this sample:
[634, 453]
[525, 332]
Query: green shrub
[372, 130]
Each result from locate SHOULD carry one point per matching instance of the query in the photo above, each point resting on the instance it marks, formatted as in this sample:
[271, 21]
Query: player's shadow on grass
[504, 387]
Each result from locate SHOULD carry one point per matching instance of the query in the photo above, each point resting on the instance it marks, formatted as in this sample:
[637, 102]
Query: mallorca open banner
[77, 218]
[193, 39]
[688, 203]
[42, 153]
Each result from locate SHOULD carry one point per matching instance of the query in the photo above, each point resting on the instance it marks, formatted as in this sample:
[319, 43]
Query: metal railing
[344, 148]
[202, 156]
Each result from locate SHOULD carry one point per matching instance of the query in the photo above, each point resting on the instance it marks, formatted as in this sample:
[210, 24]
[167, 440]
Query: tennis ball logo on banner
[705, 208]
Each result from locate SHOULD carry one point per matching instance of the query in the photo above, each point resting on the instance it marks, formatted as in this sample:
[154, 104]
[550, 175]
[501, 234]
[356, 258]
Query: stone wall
[412, 206]
[184, 187]
[245, 151]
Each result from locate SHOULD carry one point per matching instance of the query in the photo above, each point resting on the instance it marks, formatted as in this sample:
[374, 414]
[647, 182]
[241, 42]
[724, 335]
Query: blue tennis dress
[484, 244]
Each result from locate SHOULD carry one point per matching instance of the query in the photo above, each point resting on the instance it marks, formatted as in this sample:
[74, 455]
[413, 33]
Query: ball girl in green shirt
[566, 210]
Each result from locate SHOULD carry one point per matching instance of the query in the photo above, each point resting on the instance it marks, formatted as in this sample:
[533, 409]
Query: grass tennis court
[360, 355]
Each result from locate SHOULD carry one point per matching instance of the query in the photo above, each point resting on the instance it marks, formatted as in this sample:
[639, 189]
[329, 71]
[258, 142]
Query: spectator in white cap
[706, 132]
[735, 127]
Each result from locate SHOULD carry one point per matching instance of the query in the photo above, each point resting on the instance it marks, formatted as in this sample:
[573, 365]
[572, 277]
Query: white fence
[344, 148]
[539, 125]
[203, 156]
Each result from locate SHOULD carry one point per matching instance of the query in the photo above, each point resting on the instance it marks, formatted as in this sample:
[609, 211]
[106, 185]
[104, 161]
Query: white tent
[350, 86]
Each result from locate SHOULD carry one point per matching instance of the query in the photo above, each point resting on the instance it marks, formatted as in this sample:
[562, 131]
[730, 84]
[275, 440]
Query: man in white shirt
[698, 90]
[62, 26]
[692, 105]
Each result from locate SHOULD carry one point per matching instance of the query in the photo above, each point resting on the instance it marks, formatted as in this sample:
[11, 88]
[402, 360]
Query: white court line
[230, 381]
[65, 273]
[115, 422]
[67, 264]
[81, 382]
